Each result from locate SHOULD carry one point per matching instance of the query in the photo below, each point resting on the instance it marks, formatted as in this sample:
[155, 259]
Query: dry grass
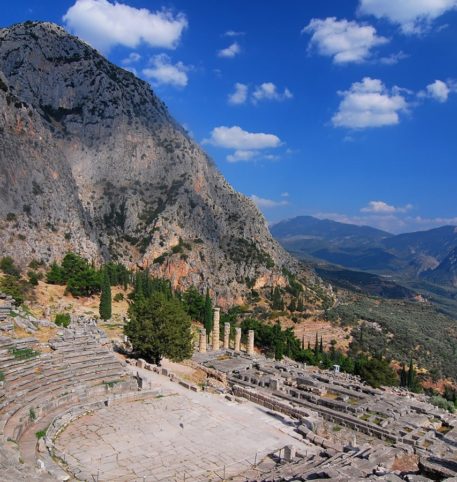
[114, 331]
[54, 297]
[308, 329]
[43, 335]
[20, 332]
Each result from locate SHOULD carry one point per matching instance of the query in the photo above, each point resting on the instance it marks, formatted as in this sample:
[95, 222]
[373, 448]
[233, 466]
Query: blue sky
[345, 110]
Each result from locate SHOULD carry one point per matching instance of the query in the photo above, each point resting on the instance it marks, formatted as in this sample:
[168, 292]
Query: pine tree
[300, 305]
[105, 298]
[159, 327]
[208, 313]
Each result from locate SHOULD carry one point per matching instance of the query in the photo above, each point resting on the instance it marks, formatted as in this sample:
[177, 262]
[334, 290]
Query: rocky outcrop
[446, 272]
[91, 160]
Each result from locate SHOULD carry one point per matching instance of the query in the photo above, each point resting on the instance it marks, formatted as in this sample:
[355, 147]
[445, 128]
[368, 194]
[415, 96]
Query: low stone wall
[270, 403]
[328, 414]
[222, 377]
[316, 440]
[140, 363]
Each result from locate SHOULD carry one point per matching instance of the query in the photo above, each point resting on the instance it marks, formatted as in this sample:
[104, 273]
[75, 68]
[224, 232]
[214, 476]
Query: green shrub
[55, 275]
[40, 434]
[111, 384]
[62, 319]
[33, 277]
[13, 286]
[441, 402]
[8, 267]
[23, 353]
[160, 259]
[2, 377]
[118, 297]
[11, 217]
[35, 264]
[32, 415]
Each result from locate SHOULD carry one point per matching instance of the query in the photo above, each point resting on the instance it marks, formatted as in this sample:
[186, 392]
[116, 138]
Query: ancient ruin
[71, 407]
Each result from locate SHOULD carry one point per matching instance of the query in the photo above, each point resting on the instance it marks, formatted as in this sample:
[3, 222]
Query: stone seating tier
[34, 386]
[77, 366]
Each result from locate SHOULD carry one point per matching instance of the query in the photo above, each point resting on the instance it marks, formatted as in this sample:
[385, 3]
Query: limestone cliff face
[91, 160]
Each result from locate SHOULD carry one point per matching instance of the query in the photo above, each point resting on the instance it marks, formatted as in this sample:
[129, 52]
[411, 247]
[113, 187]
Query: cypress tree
[403, 376]
[411, 381]
[321, 346]
[316, 346]
[208, 313]
[292, 306]
[139, 291]
[277, 304]
[105, 298]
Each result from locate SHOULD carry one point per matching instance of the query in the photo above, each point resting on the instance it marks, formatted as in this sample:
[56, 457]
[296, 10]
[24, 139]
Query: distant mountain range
[427, 255]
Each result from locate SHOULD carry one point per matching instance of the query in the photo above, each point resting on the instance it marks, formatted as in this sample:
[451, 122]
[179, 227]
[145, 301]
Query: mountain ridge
[91, 160]
[420, 254]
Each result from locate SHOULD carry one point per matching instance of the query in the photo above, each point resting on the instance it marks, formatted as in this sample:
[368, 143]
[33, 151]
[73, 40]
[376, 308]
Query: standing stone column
[216, 333]
[237, 339]
[251, 342]
[226, 336]
[202, 341]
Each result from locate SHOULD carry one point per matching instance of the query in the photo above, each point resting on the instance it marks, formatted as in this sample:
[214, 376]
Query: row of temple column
[216, 342]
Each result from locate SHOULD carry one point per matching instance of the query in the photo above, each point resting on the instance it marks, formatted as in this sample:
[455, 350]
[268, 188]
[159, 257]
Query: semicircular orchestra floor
[180, 435]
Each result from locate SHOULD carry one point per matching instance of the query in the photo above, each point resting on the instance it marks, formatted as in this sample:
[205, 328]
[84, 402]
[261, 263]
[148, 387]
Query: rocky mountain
[422, 254]
[446, 272]
[92, 161]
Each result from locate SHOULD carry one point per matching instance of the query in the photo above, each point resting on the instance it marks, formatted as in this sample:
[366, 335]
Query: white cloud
[231, 51]
[267, 203]
[269, 91]
[381, 207]
[239, 139]
[104, 25]
[241, 155]
[393, 59]
[162, 71]
[133, 58]
[413, 16]
[271, 157]
[391, 222]
[240, 95]
[437, 90]
[369, 104]
[344, 40]
[285, 194]
[233, 33]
